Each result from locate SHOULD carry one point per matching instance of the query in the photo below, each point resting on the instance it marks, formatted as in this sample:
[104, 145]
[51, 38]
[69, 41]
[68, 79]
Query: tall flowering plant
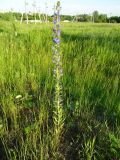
[58, 73]
[56, 39]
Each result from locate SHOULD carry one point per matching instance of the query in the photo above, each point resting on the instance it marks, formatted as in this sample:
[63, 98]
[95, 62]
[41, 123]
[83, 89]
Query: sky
[72, 7]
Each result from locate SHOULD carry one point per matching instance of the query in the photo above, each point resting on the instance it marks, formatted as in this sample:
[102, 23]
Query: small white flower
[18, 97]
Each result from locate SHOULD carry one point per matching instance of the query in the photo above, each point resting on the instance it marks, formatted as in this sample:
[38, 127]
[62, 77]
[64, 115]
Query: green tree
[96, 16]
[84, 18]
[102, 18]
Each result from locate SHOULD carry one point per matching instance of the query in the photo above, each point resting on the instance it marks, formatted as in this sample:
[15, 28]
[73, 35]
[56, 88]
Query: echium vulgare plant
[58, 73]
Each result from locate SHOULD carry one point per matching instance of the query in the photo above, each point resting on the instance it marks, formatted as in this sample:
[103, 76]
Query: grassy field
[91, 92]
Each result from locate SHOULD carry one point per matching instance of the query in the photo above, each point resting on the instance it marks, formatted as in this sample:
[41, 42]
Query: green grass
[91, 92]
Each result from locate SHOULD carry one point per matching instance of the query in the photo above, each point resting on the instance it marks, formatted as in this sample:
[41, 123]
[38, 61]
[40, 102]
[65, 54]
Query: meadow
[90, 86]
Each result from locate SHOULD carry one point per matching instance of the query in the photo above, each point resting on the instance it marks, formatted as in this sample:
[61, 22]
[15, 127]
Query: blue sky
[68, 6]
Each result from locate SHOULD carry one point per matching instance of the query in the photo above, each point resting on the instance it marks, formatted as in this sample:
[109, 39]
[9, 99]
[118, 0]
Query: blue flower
[56, 40]
[55, 21]
[58, 33]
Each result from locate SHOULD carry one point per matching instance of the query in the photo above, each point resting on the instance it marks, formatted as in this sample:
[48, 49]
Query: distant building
[34, 21]
[66, 21]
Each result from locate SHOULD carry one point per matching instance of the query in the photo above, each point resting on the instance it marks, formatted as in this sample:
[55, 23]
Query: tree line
[94, 17]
